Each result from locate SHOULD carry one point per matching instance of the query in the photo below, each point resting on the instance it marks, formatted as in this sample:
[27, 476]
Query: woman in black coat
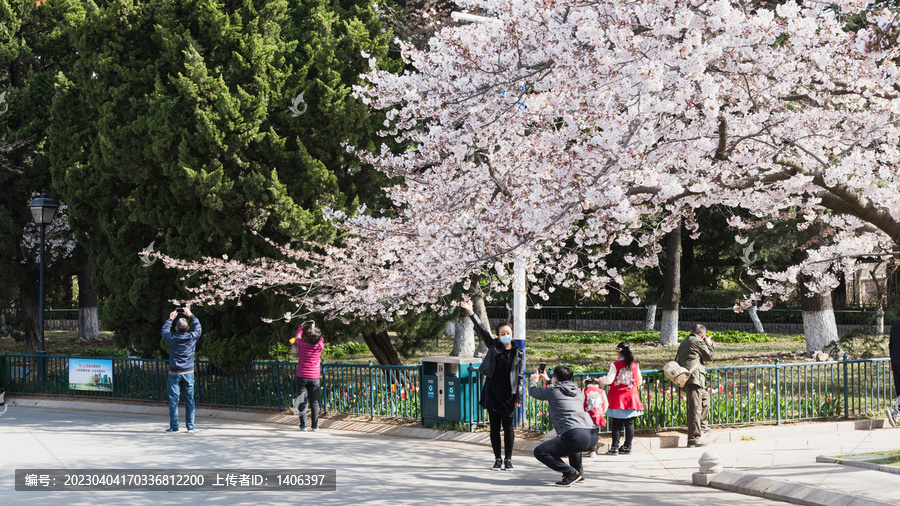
[504, 382]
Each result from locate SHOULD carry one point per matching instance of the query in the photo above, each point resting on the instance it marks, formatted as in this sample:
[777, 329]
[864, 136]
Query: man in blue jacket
[181, 365]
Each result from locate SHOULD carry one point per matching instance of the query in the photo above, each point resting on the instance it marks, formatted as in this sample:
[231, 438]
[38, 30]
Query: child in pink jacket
[595, 403]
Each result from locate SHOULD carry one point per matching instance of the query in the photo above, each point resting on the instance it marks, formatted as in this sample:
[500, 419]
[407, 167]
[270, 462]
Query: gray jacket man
[574, 427]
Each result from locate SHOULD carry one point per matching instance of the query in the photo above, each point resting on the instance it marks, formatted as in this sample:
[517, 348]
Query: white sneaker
[891, 416]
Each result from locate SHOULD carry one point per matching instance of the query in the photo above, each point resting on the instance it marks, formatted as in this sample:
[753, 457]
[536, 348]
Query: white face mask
[506, 339]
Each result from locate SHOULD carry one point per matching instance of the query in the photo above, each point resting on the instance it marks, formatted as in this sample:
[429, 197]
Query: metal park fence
[610, 318]
[62, 319]
[633, 317]
[771, 393]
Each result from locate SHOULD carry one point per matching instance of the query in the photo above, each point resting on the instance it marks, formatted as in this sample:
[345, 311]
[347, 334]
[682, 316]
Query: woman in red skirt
[624, 380]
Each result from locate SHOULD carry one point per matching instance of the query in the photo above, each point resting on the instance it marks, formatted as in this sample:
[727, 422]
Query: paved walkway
[375, 468]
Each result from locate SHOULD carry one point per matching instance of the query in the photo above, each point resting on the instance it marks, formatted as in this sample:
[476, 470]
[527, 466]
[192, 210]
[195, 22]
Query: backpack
[677, 374]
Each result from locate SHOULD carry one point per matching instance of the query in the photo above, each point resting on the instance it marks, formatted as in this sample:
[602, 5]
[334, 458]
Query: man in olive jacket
[693, 353]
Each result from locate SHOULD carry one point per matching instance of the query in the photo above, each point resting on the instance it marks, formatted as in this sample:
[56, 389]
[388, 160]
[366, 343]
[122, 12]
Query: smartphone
[542, 368]
[180, 310]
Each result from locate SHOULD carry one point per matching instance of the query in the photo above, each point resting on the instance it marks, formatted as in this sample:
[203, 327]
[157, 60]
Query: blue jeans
[174, 384]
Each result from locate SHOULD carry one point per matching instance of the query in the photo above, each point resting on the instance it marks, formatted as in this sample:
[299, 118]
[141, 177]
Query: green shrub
[862, 343]
[736, 336]
[104, 352]
[352, 348]
[334, 351]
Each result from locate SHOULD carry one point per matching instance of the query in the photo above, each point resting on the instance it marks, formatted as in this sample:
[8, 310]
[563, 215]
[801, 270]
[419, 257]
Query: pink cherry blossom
[560, 128]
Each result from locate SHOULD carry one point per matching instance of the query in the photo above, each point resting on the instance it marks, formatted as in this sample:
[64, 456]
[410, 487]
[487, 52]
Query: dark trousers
[308, 389]
[896, 367]
[497, 422]
[698, 411]
[616, 426]
[568, 444]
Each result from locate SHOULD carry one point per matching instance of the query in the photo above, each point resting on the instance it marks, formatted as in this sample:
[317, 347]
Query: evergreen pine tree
[175, 128]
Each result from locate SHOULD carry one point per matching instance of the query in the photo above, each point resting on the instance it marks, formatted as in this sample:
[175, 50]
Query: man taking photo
[693, 353]
[182, 344]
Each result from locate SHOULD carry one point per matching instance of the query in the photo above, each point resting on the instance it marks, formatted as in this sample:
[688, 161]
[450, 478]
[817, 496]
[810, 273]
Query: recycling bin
[449, 390]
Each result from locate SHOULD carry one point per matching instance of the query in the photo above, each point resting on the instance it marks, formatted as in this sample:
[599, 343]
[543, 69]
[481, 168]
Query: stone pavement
[375, 467]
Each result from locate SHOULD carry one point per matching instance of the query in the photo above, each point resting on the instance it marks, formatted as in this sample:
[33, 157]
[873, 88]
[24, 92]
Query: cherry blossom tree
[560, 128]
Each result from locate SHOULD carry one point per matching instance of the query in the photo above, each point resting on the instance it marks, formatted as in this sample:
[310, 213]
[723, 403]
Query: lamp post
[43, 209]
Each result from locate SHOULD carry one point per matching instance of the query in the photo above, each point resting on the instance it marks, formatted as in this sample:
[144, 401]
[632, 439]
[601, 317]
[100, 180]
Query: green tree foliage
[33, 50]
[174, 127]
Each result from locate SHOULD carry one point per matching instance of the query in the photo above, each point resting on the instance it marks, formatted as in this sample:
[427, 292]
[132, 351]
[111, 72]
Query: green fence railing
[591, 317]
[771, 393]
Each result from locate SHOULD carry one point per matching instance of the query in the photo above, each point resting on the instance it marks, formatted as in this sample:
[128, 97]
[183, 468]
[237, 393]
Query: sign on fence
[90, 374]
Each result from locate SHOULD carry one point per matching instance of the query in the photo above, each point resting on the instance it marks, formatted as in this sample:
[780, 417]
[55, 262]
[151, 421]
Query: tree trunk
[614, 296]
[839, 295]
[687, 258]
[464, 338]
[380, 345]
[28, 298]
[650, 319]
[879, 297]
[6, 295]
[757, 325]
[88, 323]
[819, 325]
[668, 335]
[477, 297]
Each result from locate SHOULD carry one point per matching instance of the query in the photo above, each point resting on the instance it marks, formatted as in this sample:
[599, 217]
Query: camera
[180, 310]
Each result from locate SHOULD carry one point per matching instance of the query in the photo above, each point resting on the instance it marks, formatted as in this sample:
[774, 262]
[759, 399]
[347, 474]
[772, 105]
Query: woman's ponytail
[627, 355]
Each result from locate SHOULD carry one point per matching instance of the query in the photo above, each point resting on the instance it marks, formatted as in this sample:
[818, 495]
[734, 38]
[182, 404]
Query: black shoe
[624, 451]
[507, 465]
[497, 465]
[612, 451]
[569, 479]
[699, 442]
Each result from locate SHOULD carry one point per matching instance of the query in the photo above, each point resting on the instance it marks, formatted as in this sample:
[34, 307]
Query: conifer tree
[33, 51]
[176, 128]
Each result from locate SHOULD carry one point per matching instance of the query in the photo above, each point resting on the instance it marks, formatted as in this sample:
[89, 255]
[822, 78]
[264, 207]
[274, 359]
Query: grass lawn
[597, 357]
[885, 458]
[60, 342]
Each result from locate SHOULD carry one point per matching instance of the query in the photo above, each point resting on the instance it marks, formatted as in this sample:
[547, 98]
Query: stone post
[710, 466]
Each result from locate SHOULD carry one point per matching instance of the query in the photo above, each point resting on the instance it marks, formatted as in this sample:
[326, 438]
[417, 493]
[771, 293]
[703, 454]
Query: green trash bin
[448, 390]
[5, 377]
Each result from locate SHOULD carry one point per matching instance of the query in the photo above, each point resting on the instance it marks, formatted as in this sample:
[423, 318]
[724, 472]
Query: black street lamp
[43, 208]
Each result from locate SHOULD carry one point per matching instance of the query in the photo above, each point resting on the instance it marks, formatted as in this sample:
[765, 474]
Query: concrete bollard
[710, 466]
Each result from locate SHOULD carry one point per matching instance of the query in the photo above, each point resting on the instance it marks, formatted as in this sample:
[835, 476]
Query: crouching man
[574, 428]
